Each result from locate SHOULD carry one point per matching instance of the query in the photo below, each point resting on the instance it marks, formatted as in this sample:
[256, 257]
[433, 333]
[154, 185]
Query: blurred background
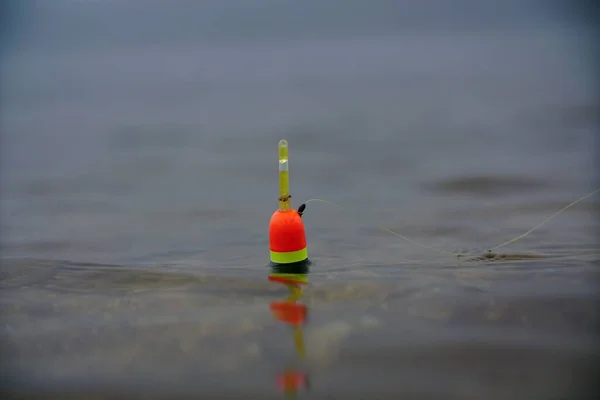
[133, 128]
[143, 134]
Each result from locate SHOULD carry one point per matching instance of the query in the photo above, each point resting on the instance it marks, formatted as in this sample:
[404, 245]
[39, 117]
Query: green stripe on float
[289, 257]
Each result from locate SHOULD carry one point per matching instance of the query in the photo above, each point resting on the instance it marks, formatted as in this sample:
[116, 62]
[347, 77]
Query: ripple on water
[488, 184]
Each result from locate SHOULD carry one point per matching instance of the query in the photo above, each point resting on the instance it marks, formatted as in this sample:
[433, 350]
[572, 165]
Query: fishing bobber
[287, 237]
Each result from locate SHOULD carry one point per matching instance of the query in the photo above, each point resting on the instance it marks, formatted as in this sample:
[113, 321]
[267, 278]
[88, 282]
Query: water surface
[138, 175]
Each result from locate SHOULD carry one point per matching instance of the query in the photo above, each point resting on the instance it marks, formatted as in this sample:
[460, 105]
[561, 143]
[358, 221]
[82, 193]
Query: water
[138, 175]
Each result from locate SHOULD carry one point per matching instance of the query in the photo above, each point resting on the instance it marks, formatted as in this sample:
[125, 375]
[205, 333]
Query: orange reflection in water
[293, 312]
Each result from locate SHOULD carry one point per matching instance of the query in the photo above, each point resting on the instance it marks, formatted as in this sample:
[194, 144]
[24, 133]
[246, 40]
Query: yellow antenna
[285, 202]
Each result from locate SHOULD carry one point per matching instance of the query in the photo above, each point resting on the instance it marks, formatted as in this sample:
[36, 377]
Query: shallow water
[138, 180]
[519, 329]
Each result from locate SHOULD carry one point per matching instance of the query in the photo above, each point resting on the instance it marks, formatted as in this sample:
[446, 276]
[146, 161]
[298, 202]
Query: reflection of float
[291, 311]
[291, 381]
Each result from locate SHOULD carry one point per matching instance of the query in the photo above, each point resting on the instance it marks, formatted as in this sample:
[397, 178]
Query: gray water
[139, 172]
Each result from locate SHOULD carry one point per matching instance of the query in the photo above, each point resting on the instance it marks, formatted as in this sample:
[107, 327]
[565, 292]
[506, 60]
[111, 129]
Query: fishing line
[545, 221]
[386, 229]
[439, 250]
